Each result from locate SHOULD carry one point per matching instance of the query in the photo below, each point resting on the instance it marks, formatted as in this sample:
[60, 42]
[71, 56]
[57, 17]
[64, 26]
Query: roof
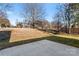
[4, 21]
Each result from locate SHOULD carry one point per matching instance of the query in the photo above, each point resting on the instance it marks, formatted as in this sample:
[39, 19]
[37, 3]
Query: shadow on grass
[4, 37]
[67, 41]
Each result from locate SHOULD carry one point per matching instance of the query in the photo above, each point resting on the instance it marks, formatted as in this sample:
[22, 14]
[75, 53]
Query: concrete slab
[41, 48]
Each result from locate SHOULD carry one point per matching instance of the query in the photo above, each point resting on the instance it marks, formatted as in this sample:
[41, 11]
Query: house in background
[4, 22]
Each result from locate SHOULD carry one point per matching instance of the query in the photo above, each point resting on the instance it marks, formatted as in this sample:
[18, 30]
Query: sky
[14, 14]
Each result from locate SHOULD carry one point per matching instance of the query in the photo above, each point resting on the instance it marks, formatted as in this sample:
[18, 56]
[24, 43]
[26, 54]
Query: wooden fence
[74, 30]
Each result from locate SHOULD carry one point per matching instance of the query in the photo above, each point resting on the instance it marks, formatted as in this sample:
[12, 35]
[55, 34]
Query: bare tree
[34, 12]
[19, 25]
[57, 21]
[58, 18]
[3, 13]
[65, 15]
[4, 7]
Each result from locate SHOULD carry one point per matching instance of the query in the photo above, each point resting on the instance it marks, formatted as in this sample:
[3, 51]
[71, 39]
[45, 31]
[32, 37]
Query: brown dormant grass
[19, 34]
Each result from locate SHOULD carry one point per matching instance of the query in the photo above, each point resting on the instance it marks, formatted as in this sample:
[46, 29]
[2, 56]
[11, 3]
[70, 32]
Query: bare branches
[34, 12]
[3, 10]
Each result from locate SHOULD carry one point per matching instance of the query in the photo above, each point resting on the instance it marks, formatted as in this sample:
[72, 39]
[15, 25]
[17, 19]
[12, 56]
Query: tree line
[67, 16]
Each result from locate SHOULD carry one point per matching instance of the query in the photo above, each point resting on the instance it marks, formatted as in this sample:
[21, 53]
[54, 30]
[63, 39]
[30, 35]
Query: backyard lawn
[23, 36]
[20, 34]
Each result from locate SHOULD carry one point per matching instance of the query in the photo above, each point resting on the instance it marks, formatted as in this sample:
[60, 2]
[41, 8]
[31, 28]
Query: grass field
[22, 36]
[71, 36]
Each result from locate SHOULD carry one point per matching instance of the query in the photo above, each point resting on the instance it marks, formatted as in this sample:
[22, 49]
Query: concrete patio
[41, 48]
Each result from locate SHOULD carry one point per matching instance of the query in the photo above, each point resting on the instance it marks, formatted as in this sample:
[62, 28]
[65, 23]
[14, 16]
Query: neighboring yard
[21, 36]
